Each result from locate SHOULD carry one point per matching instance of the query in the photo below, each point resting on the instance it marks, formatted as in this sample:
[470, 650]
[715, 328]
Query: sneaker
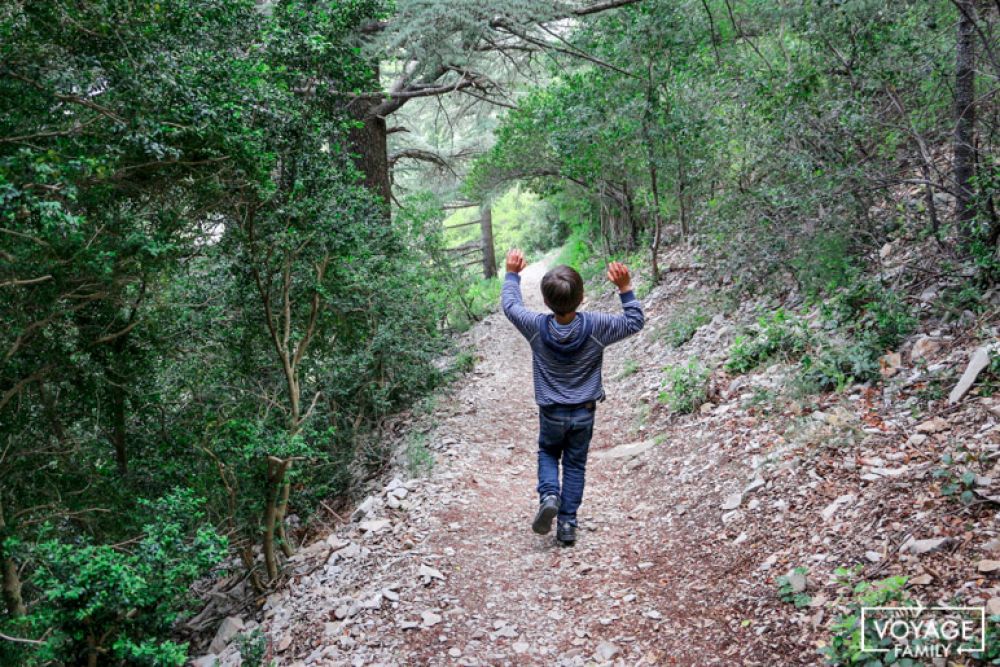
[566, 533]
[547, 511]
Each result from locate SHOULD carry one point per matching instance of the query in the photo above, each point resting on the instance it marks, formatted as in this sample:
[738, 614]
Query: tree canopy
[224, 253]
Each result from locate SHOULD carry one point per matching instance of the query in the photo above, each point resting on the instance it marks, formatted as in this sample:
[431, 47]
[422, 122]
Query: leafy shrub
[253, 648]
[871, 313]
[578, 252]
[464, 362]
[779, 334]
[629, 367]
[122, 602]
[682, 327]
[833, 367]
[844, 647]
[787, 592]
[419, 459]
[482, 297]
[955, 482]
[685, 387]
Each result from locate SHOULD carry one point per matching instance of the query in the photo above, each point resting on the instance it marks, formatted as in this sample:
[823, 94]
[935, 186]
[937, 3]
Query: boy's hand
[619, 275]
[516, 261]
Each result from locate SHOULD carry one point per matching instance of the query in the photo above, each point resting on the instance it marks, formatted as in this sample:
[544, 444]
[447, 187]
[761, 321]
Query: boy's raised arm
[613, 328]
[525, 320]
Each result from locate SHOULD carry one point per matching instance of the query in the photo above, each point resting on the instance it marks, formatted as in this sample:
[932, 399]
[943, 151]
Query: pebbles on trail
[687, 523]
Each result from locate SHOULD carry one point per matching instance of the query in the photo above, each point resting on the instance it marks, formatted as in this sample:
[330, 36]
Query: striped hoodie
[566, 358]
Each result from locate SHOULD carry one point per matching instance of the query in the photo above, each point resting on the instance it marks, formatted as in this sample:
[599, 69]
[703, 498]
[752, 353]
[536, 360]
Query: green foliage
[787, 592]
[873, 314]
[779, 334]
[253, 648]
[991, 641]
[194, 283]
[844, 647]
[690, 314]
[864, 320]
[873, 320]
[629, 367]
[519, 219]
[483, 295]
[832, 367]
[682, 327]
[465, 362]
[685, 387]
[419, 458]
[578, 253]
[955, 480]
[98, 597]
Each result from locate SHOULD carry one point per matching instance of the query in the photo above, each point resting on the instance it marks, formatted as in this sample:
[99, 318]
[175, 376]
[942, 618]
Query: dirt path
[446, 570]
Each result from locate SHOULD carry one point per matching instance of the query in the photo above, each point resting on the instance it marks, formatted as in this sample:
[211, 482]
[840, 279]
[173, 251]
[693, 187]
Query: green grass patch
[419, 458]
[629, 367]
[685, 387]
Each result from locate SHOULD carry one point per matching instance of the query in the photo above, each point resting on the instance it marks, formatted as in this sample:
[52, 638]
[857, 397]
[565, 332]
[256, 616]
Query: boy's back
[567, 352]
[566, 359]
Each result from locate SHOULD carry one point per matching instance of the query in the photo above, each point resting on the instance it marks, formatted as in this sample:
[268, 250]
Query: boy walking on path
[567, 350]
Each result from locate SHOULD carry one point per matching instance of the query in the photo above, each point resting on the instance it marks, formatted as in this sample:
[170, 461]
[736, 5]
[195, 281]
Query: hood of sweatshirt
[565, 342]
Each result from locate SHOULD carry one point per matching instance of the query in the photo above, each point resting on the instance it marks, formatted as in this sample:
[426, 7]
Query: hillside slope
[687, 523]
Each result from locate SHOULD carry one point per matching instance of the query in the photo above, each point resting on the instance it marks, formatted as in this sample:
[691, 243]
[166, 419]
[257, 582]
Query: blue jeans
[564, 434]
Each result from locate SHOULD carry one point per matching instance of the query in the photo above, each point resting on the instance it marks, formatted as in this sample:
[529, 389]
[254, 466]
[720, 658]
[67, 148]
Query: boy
[567, 349]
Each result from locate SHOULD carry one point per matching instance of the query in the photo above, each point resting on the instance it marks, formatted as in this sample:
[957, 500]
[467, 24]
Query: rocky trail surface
[686, 525]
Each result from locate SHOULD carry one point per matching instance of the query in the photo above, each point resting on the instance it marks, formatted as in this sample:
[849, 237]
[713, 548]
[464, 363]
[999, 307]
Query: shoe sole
[543, 520]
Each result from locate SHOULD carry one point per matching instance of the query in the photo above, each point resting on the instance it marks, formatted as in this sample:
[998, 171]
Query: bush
[419, 459]
[786, 591]
[629, 367]
[483, 296]
[870, 313]
[774, 335]
[579, 253]
[845, 642]
[121, 602]
[836, 367]
[682, 327]
[685, 387]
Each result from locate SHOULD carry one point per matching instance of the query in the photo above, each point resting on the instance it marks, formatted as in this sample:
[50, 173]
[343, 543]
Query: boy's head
[562, 290]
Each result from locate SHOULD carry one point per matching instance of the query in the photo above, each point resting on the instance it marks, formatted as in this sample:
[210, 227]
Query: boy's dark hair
[562, 289]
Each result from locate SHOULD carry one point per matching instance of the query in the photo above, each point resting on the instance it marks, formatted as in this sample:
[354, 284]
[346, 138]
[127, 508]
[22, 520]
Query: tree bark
[370, 145]
[489, 252]
[285, 543]
[276, 469]
[682, 191]
[965, 117]
[647, 132]
[11, 581]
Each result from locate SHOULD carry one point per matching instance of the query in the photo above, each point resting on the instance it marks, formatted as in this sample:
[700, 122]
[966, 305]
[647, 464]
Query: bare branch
[604, 6]
[20, 640]
[26, 281]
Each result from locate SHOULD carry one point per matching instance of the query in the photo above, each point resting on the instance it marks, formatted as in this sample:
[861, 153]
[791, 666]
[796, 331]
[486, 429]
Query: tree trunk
[965, 117]
[369, 143]
[633, 228]
[489, 252]
[275, 479]
[11, 581]
[647, 132]
[682, 191]
[286, 545]
[654, 248]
